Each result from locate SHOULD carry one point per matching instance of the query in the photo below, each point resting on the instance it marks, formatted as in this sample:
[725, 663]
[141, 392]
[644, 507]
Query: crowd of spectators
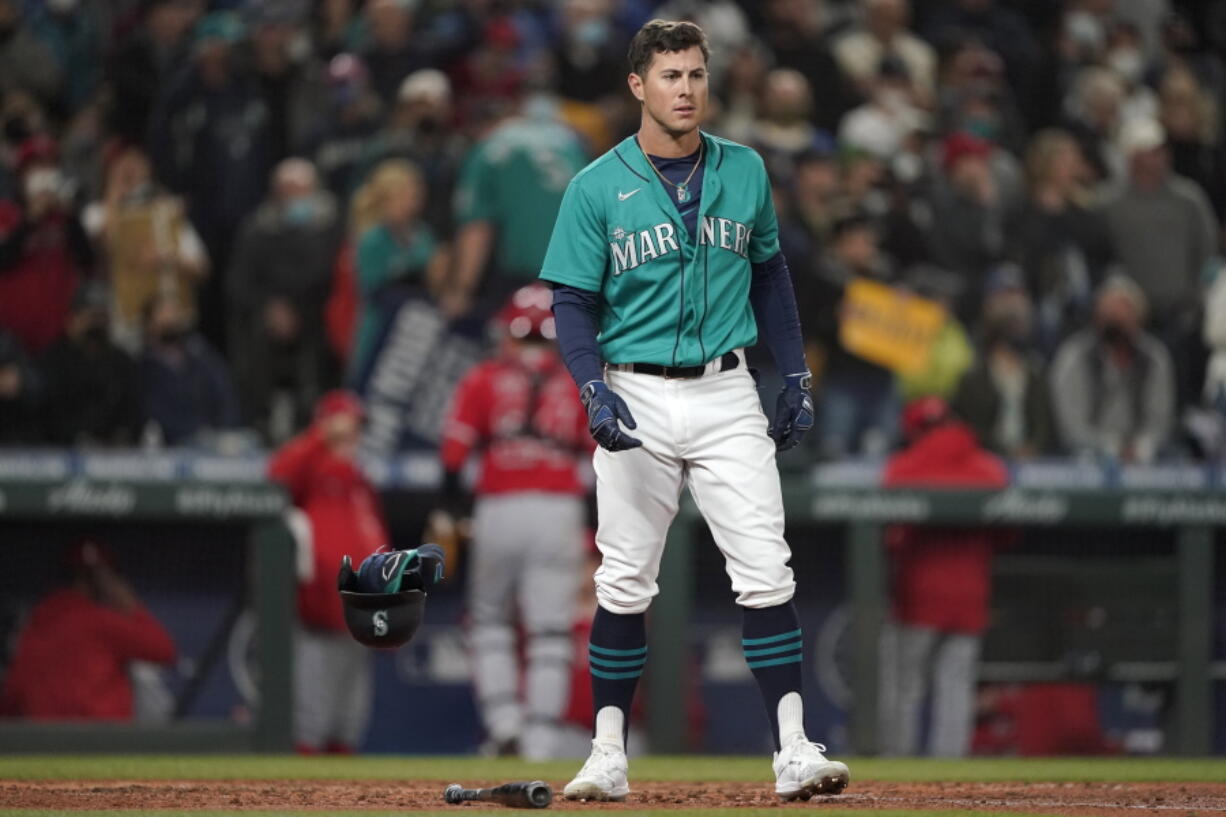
[202, 202]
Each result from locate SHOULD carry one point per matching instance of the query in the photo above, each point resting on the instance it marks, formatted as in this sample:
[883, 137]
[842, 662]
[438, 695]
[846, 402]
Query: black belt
[727, 362]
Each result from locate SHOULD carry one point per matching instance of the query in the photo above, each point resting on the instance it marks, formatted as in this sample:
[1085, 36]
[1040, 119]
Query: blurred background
[1004, 224]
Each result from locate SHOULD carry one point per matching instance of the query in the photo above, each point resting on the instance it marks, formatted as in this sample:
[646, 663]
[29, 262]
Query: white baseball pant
[917, 661]
[710, 433]
[527, 559]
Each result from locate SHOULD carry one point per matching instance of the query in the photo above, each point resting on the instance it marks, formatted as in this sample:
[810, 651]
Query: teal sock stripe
[770, 639]
[774, 662]
[794, 645]
[597, 661]
[615, 676]
[592, 648]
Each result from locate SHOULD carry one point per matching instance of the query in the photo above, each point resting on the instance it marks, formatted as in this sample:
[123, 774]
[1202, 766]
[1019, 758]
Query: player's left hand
[793, 412]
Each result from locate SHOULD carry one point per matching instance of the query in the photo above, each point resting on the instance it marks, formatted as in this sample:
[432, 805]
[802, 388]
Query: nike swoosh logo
[623, 196]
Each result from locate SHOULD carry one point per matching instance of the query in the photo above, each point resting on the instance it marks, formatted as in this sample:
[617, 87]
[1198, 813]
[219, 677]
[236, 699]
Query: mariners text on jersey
[668, 296]
[632, 249]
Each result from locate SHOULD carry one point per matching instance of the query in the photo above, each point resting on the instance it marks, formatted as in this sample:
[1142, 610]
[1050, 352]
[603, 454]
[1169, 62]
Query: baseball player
[520, 411]
[666, 264]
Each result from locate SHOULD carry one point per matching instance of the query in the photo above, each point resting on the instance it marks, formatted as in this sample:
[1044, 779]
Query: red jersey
[530, 427]
[942, 575]
[344, 512]
[36, 290]
[72, 659]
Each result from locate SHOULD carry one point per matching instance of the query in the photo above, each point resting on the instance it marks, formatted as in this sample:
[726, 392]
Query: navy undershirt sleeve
[575, 318]
[774, 308]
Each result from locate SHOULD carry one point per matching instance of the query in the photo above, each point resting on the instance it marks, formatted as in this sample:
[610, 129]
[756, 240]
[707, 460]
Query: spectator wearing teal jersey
[396, 255]
[509, 191]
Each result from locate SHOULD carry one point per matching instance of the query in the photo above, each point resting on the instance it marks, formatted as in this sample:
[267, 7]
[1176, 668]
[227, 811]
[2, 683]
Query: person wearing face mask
[349, 114]
[1112, 384]
[783, 129]
[148, 243]
[1126, 57]
[419, 130]
[278, 284]
[520, 412]
[91, 388]
[43, 249]
[1004, 397]
[586, 52]
[184, 386]
[1158, 202]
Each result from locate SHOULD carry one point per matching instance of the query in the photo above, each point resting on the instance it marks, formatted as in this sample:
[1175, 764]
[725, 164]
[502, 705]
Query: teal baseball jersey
[515, 179]
[668, 297]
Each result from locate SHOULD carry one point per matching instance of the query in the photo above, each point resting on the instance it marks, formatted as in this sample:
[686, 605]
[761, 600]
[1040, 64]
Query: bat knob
[453, 793]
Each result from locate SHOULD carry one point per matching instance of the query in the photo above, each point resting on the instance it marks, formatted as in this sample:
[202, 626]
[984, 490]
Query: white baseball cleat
[603, 776]
[801, 770]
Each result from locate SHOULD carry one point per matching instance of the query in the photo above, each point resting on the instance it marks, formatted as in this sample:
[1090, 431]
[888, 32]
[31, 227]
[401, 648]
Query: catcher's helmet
[385, 599]
[528, 313]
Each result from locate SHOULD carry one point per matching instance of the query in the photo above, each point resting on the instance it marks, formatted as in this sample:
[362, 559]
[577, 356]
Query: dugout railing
[254, 507]
[853, 504]
[1188, 506]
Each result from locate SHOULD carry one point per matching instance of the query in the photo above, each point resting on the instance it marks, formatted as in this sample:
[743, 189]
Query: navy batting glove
[604, 410]
[793, 412]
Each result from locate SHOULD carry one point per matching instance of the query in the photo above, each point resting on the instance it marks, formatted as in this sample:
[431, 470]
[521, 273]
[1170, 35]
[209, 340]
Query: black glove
[793, 412]
[604, 410]
[453, 498]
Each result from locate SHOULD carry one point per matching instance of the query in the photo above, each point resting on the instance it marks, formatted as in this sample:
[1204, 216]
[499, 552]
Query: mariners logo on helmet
[384, 599]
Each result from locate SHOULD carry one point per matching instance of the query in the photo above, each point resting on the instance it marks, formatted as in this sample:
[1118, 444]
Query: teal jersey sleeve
[764, 240]
[578, 252]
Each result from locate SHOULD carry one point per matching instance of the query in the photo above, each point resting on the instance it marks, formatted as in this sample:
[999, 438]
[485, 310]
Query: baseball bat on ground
[520, 794]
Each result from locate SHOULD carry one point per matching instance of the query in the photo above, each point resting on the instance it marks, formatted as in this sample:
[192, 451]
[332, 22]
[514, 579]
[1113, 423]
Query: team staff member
[333, 674]
[940, 588]
[666, 262]
[73, 657]
[520, 411]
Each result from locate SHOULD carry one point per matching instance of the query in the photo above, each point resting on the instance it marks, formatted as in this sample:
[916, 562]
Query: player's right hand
[604, 410]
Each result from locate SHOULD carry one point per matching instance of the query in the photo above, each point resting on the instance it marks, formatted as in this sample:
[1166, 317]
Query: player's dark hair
[661, 37]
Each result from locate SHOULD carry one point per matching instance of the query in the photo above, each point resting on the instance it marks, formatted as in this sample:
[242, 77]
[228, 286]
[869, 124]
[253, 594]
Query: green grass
[472, 769]
[726, 812]
[480, 771]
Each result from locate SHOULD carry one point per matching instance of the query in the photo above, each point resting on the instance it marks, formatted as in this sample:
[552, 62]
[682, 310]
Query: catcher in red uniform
[520, 413]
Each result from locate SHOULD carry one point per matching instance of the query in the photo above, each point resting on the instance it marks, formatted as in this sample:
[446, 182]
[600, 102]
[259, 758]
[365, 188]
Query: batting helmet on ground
[385, 598]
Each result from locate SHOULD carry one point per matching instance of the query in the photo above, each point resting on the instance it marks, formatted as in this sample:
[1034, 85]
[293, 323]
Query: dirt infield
[1105, 799]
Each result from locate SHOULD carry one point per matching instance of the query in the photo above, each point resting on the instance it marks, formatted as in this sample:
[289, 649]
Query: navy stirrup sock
[772, 642]
[617, 654]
